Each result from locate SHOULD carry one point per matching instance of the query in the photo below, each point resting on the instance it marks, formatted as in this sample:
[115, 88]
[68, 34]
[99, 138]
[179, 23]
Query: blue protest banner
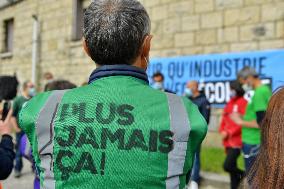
[215, 71]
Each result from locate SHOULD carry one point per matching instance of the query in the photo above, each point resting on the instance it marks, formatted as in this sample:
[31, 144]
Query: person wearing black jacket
[7, 153]
[200, 100]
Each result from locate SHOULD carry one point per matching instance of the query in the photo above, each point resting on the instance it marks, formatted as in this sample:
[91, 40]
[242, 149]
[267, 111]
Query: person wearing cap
[254, 114]
[117, 131]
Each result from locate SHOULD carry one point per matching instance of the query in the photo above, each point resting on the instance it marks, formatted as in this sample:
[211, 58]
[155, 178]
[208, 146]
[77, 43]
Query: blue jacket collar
[118, 70]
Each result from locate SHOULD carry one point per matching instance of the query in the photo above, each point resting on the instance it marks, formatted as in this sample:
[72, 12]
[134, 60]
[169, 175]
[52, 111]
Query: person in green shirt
[255, 112]
[117, 131]
[27, 93]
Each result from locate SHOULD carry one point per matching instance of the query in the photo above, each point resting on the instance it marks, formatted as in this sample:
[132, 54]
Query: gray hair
[246, 72]
[114, 30]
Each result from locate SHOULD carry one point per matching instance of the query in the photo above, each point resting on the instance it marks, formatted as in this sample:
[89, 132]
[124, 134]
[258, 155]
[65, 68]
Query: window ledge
[6, 55]
[76, 43]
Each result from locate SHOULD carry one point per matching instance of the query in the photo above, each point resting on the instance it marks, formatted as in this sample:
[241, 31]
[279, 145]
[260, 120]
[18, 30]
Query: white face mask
[158, 85]
[247, 88]
[188, 92]
[32, 92]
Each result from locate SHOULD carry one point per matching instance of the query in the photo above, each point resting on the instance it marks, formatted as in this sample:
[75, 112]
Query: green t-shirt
[258, 103]
[110, 136]
[18, 104]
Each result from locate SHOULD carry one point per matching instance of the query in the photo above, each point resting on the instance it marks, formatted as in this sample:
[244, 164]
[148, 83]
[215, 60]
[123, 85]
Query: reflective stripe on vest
[180, 126]
[45, 137]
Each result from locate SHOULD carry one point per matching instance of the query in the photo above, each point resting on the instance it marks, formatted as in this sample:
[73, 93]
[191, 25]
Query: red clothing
[234, 139]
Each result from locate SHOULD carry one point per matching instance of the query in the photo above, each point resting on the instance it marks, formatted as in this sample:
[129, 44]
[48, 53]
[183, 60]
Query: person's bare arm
[15, 124]
[238, 120]
[250, 124]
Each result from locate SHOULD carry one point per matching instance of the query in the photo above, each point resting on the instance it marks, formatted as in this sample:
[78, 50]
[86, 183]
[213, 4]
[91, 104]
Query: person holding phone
[7, 153]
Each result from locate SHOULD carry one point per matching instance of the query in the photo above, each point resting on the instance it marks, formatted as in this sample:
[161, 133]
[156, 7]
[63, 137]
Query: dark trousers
[18, 159]
[250, 154]
[230, 166]
[194, 175]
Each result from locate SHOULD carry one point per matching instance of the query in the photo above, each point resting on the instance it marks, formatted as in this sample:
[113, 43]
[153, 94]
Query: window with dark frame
[79, 7]
[9, 35]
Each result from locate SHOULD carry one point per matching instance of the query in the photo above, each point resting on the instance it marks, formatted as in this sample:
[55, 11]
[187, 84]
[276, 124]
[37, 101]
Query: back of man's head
[114, 30]
[59, 85]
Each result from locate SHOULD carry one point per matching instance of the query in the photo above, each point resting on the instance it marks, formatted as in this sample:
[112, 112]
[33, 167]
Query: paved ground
[26, 181]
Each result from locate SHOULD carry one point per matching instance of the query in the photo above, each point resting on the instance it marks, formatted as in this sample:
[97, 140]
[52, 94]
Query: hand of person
[236, 118]
[5, 126]
[224, 135]
[17, 129]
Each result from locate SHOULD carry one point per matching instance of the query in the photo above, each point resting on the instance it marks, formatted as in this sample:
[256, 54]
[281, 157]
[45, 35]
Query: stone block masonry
[180, 27]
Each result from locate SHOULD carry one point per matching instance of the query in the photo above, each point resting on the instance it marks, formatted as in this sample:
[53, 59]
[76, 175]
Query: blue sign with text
[214, 72]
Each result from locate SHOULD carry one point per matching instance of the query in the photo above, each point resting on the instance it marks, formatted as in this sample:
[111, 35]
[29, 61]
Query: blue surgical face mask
[158, 85]
[188, 92]
[32, 92]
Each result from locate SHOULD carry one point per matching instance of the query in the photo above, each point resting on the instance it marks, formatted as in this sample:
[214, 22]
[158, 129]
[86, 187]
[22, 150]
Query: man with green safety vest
[116, 132]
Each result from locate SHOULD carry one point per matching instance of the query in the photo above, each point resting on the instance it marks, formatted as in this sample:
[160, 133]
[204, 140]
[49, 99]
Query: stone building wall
[183, 27]
[180, 27]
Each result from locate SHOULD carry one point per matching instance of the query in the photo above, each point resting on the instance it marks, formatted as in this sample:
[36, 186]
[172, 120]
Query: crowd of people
[117, 131]
[240, 124]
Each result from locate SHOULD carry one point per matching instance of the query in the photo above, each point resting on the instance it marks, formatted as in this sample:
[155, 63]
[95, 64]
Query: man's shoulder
[31, 109]
[17, 99]
[264, 89]
[198, 124]
[193, 112]
[202, 99]
[262, 92]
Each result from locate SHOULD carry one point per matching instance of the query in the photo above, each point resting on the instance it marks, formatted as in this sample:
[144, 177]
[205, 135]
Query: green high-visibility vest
[116, 132]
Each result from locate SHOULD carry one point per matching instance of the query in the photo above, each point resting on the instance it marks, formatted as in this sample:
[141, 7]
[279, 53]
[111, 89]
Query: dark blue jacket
[7, 156]
[203, 106]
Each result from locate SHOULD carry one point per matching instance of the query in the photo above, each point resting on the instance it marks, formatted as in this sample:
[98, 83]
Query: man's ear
[147, 46]
[86, 47]
[145, 52]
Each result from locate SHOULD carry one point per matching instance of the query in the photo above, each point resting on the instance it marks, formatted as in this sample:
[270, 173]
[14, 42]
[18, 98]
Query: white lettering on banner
[221, 68]
[218, 92]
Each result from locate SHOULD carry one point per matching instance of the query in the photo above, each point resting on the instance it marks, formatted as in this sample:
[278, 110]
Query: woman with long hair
[231, 133]
[268, 170]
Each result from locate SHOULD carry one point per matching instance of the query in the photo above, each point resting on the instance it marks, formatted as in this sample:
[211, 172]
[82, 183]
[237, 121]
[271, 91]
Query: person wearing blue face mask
[158, 84]
[188, 92]
[199, 99]
[28, 91]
